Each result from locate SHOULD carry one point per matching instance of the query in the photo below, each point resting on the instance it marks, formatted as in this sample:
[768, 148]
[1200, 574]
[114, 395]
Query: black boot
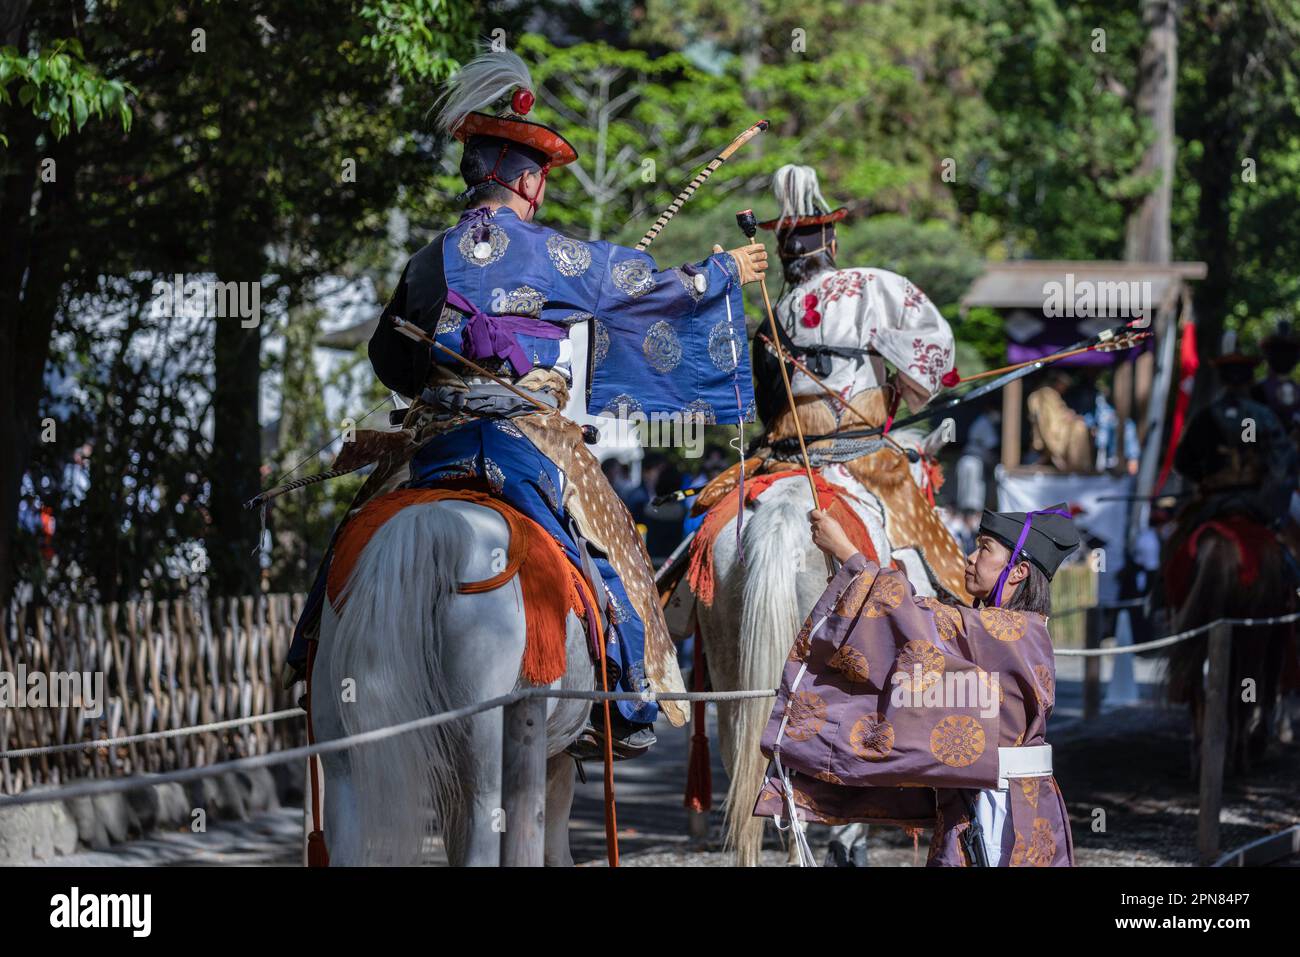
[630, 740]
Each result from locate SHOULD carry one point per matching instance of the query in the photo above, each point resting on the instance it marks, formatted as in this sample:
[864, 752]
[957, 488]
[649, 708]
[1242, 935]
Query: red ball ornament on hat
[951, 378]
[522, 101]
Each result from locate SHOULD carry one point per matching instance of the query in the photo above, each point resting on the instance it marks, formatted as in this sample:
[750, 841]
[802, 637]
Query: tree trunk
[1148, 235]
[33, 255]
[1216, 173]
[234, 531]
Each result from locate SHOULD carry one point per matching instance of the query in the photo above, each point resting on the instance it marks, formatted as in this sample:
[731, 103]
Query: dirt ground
[1131, 764]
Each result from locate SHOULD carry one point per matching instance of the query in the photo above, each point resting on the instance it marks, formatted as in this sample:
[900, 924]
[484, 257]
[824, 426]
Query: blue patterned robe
[663, 342]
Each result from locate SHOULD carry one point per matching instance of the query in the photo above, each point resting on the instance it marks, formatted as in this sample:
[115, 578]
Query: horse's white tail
[775, 539]
[388, 644]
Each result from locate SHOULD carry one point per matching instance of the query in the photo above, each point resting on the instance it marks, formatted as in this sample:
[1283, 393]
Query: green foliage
[411, 35]
[934, 255]
[642, 126]
[1236, 205]
[61, 87]
[1057, 173]
[238, 175]
[873, 95]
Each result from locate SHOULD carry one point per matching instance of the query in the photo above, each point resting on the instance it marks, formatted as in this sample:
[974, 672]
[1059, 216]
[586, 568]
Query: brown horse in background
[1213, 587]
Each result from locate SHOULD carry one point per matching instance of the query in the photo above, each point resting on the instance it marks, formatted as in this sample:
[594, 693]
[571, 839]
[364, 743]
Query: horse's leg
[340, 823]
[758, 608]
[565, 719]
[559, 803]
[843, 837]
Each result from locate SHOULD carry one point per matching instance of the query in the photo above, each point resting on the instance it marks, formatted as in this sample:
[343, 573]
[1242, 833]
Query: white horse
[407, 645]
[760, 603]
[757, 609]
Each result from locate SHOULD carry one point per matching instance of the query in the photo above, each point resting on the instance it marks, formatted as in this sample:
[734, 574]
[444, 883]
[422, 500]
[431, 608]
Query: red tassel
[699, 775]
[317, 854]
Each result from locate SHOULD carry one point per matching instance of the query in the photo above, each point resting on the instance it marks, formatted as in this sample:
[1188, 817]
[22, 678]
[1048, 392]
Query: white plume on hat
[798, 192]
[480, 83]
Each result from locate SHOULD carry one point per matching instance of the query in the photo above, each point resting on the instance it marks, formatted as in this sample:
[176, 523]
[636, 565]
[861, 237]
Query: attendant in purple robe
[903, 710]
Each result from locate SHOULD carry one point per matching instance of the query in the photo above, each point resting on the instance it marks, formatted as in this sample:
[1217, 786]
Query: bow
[695, 183]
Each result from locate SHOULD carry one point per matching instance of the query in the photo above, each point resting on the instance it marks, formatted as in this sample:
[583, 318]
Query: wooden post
[1012, 395]
[1214, 739]
[1095, 621]
[523, 783]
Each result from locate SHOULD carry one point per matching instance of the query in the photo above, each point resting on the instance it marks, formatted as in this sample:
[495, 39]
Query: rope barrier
[1175, 638]
[254, 762]
[151, 735]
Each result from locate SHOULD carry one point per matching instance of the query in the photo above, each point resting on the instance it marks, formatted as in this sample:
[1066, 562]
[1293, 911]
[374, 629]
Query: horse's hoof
[836, 856]
[858, 854]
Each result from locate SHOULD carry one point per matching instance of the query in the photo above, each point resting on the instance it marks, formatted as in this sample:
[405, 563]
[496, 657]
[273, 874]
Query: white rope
[185, 775]
[1175, 638]
[151, 735]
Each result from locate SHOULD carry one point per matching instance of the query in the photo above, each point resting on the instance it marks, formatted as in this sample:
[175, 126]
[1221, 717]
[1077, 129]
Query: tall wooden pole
[1214, 740]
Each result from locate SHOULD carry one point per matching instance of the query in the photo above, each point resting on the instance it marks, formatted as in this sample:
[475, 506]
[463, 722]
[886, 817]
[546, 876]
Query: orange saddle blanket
[551, 585]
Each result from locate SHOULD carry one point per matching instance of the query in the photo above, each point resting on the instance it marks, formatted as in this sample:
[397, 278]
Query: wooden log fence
[163, 665]
[169, 665]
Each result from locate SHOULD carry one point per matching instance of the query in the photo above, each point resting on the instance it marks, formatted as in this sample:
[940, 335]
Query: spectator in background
[638, 497]
[1278, 390]
[1103, 421]
[663, 523]
[712, 465]
[1061, 436]
[619, 476]
[978, 457]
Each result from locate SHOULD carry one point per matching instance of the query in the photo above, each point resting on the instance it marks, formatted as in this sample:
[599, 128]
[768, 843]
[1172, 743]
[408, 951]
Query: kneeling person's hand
[830, 537]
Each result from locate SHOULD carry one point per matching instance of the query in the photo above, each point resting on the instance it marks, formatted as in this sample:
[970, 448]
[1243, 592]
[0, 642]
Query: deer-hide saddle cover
[910, 520]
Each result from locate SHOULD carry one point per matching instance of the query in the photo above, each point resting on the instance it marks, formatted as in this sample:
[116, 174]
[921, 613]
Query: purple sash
[496, 337]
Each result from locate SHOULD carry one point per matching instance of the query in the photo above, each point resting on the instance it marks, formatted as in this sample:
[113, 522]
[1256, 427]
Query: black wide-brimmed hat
[483, 81]
[806, 224]
[1051, 539]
